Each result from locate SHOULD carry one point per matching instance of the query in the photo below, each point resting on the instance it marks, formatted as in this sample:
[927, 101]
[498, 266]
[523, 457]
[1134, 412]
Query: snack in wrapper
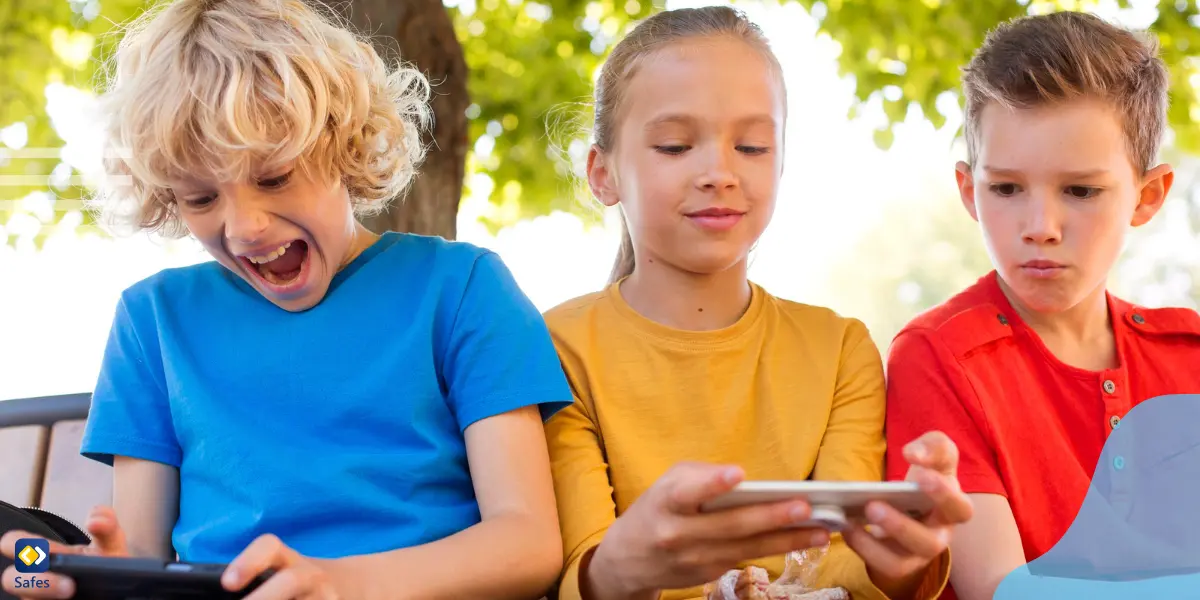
[753, 583]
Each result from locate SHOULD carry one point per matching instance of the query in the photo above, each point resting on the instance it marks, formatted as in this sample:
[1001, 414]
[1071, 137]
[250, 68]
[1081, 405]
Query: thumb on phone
[934, 451]
[690, 485]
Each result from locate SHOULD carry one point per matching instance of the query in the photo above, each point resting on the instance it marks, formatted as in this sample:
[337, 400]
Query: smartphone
[834, 504]
[111, 578]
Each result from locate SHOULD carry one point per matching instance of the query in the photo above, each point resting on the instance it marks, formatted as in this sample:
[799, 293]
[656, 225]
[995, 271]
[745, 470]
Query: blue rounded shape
[1136, 534]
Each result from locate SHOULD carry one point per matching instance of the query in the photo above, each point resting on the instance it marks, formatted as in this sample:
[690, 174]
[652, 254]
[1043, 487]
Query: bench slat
[24, 459]
[73, 484]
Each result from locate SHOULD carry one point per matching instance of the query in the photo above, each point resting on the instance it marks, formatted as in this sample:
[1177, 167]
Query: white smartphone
[835, 504]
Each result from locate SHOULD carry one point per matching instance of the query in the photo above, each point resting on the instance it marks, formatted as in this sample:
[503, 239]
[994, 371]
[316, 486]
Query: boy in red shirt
[1030, 369]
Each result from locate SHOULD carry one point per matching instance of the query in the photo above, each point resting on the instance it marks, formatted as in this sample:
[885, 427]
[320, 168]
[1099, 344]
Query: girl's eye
[1003, 189]
[1082, 192]
[672, 150]
[276, 182]
[753, 150]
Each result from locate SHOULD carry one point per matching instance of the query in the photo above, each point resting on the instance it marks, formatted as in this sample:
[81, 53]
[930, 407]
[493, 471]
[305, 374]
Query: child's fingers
[911, 536]
[58, 586]
[748, 521]
[266, 552]
[950, 505]
[690, 485]
[8, 544]
[107, 535]
[934, 450]
[880, 556]
[769, 544]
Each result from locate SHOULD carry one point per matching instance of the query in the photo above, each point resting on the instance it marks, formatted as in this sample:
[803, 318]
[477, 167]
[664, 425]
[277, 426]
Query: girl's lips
[716, 222]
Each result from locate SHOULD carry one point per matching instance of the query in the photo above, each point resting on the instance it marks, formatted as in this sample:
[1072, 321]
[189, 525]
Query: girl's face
[284, 233]
[698, 154]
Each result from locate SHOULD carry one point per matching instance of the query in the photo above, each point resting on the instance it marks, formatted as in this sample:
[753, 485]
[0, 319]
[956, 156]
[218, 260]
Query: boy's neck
[1081, 336]
[688, 301]
[361, 238]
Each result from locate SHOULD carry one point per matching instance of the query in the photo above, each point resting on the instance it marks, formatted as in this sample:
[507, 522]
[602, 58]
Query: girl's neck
[688, 301]
[1081, 336]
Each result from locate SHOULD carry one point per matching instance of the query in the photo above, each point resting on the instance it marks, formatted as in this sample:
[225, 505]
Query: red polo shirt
[1028, 426]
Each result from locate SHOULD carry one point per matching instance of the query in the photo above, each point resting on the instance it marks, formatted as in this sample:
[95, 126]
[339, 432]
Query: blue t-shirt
[338, 429]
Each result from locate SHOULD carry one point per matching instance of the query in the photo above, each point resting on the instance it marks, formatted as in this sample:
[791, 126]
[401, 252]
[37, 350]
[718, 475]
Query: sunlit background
[875, 234]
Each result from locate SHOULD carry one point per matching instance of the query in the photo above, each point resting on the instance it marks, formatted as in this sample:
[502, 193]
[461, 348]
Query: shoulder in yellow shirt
[790, 392]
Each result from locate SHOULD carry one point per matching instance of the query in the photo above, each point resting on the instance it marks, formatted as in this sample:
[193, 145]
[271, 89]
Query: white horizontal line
[45, 180]
[47, 153]
[31, 153]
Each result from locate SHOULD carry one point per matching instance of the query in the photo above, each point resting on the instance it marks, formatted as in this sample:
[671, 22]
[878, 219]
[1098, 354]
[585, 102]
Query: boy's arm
[927, 389]
[502, 377]
[513, 553]
[986, 549]
[146, 501]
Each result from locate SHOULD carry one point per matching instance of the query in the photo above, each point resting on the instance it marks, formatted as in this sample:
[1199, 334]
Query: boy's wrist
[344, 576]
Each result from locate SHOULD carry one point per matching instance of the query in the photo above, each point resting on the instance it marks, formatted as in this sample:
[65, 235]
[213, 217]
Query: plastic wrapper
[797, 582]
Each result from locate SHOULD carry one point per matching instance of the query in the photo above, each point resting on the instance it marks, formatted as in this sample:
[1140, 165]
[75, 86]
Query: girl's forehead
[717, 76]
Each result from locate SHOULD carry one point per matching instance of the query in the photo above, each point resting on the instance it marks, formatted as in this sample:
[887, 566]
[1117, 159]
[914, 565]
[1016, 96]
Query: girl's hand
[898, 555]
[663, 541]
[295, 576]
[108, 539]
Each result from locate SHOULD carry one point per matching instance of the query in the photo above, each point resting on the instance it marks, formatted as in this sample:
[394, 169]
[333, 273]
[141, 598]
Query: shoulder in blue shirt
[338, 429]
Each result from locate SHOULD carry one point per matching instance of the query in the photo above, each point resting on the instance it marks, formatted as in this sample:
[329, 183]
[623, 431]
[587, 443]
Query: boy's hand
[296, 577]
[897, 557]
[108, 539]
[663, 541]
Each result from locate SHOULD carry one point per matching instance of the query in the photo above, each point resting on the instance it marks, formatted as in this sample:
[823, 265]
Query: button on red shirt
[1028, 426]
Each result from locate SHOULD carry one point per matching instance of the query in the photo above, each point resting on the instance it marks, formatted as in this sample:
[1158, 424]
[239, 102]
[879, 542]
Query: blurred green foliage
[532, 65]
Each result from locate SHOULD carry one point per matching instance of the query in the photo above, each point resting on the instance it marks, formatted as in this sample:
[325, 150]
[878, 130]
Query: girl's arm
[853, 450]
[146, 503]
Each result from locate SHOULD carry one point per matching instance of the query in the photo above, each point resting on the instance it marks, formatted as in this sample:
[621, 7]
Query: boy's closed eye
[274, 183]
[1077, 192]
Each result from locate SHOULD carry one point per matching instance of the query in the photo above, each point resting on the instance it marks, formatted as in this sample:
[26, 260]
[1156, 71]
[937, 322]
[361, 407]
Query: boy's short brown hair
[1039, 60]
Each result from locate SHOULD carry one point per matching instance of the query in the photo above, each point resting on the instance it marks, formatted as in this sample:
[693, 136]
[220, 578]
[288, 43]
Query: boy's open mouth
[281, 267]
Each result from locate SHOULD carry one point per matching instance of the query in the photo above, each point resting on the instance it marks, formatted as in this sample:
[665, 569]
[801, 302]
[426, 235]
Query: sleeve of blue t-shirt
[500, 356]
[130, 413]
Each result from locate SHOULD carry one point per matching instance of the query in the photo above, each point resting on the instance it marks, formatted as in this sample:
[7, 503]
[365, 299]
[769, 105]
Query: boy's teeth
[274, 254]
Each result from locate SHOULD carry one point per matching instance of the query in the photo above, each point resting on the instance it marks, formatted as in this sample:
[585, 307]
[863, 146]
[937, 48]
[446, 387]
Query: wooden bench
[41, 465]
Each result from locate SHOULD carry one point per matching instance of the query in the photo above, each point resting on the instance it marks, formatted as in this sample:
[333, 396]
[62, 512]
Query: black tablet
[108, 578]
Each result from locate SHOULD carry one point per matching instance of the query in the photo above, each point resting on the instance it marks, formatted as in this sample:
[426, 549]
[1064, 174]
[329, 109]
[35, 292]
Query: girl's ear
[600, 176]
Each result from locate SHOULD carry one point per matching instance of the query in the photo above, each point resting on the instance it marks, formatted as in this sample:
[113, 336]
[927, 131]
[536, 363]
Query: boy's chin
[309, 295]
[1046, 297]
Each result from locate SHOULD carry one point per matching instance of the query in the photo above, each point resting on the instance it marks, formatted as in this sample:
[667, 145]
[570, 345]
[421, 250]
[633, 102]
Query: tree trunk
[421, 33]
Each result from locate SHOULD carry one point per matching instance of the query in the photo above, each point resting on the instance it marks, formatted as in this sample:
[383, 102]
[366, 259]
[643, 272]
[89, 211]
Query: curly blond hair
[216, 88]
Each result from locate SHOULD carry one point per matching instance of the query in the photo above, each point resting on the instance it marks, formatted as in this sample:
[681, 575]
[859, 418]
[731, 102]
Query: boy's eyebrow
[1082, 174]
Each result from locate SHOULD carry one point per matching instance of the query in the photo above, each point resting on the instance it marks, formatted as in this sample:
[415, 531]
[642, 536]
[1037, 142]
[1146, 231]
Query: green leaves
[42, 43]
[919, 47]
[532, 66]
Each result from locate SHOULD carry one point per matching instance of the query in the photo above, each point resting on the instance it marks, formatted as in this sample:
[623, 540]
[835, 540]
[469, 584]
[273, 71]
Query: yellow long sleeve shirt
[790, 392]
